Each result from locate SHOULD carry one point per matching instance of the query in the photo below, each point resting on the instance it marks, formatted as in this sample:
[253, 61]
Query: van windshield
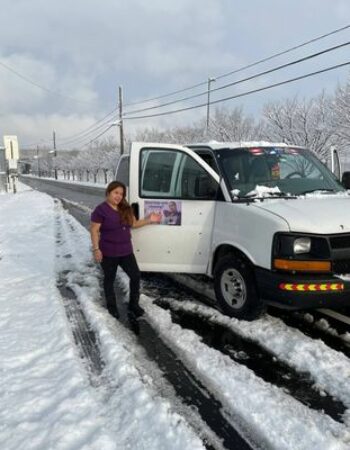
[286, 170]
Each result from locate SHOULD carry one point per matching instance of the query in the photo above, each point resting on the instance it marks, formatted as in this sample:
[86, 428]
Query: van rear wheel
[235, 289]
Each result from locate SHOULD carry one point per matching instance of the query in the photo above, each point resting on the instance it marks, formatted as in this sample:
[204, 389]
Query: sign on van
[11, 147]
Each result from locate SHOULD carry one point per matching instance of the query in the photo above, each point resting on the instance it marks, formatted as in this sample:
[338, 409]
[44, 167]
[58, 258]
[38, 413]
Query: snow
[47, 398]
[329, 369]
[263, 191]
[280, 421]
[244, 144]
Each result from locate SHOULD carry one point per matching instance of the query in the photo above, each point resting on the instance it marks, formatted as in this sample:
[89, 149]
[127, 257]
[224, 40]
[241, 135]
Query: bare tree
[307, 123]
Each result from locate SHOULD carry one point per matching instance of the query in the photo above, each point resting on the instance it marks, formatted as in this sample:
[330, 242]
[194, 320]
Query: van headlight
[295, 252]
[302, 245]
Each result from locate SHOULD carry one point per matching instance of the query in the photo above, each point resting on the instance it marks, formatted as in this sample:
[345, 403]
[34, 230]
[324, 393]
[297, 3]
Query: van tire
[235, 288]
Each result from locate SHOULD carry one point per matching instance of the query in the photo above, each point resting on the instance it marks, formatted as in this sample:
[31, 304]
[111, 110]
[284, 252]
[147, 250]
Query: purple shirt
[115, 236]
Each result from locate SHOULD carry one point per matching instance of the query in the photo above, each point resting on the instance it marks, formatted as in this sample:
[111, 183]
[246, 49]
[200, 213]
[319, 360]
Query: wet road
[88, 196]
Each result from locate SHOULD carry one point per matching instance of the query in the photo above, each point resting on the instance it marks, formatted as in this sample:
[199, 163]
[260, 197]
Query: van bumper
[301, 291]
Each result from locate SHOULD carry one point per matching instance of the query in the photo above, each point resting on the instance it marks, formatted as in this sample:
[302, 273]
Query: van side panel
[248, 229]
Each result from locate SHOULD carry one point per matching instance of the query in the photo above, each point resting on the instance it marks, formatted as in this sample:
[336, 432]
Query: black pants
[109, 266]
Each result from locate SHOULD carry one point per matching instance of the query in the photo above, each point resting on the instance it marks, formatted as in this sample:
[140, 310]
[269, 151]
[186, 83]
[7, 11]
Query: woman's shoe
[114, 312]
[111, 305]
[136, 309]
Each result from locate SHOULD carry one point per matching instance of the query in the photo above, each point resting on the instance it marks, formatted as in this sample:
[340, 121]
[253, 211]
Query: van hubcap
[233, 288]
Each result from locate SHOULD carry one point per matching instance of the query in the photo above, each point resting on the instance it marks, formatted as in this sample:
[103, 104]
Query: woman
[110, 230]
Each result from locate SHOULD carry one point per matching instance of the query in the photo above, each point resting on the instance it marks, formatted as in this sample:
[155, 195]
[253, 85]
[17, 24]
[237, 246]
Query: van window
[174, 174]
[158, 173]
[209, 159]
[122, 173]
[194, 182]
[294, 171]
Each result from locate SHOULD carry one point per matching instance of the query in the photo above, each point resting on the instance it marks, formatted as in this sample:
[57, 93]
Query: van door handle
[136, 210]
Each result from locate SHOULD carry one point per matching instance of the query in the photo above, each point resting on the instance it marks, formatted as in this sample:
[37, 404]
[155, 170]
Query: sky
[61, 63]
[48, 399]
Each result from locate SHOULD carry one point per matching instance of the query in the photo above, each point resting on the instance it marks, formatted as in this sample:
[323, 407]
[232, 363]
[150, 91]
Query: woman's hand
[151, 218]
[98, 255]
[95, 238]
[154, 218]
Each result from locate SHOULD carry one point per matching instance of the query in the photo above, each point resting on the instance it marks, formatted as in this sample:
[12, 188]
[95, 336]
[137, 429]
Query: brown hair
[124, 209]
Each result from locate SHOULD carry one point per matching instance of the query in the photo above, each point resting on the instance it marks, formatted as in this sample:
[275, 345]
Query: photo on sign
[168, 211]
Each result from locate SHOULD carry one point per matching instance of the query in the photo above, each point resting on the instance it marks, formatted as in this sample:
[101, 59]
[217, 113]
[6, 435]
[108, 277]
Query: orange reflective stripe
[305, 266]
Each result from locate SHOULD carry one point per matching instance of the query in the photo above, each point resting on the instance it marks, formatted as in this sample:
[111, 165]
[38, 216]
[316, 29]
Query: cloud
[86, 48]
[65, 126]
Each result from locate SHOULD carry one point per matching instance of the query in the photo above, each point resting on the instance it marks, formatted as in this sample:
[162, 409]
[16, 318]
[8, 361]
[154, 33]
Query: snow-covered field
[47, 401]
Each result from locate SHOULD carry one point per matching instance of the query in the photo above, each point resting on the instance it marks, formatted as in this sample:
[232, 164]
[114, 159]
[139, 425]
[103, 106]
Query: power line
[225, 86]
[285, 51]
[243, 94]
[34, 143]
[92, 127]
[33, 83]
[77, 137]
[83, 137]
[96, 137]
[338, 30]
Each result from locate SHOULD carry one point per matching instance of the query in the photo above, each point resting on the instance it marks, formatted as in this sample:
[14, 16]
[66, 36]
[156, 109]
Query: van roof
[214, 145]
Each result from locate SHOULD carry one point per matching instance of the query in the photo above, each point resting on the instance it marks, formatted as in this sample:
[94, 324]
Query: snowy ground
[47, 400]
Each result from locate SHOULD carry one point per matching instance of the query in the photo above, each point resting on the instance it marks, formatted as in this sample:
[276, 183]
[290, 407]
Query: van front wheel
[235, 289]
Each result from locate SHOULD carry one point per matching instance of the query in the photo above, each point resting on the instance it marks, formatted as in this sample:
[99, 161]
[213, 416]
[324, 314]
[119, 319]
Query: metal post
[54, 151]
[37, 160]
[210, 80]
[121, 128]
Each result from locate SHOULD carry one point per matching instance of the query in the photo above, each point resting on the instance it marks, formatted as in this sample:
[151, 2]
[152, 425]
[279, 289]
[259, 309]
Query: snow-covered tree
[341, 105]
[233, 126]
[96, 163]
[63, 163]
[225, 125]
[308, 123]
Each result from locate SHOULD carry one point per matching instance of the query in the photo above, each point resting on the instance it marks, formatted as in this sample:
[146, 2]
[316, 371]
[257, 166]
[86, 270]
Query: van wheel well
[228, 250]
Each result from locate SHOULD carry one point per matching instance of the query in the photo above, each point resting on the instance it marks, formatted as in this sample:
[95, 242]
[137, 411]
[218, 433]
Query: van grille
[340, 241]
[341, 266]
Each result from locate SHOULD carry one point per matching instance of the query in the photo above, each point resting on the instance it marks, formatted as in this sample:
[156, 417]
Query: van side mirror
[345, 180]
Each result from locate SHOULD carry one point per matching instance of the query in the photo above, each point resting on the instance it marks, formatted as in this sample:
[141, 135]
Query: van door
[175, 183]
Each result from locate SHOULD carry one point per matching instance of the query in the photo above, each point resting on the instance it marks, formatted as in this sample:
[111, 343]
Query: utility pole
[121, 128]
[54, 151]
[210, 80]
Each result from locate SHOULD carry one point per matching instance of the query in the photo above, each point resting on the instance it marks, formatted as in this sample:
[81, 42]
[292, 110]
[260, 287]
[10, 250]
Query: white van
[268, 222]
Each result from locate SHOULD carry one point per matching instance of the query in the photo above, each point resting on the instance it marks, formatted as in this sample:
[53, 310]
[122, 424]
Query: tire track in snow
[198, 405]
